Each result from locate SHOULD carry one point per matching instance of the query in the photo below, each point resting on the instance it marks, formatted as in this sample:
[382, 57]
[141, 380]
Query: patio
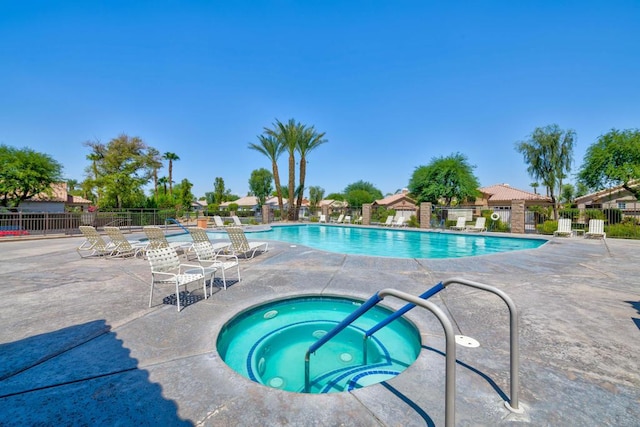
[79, 346]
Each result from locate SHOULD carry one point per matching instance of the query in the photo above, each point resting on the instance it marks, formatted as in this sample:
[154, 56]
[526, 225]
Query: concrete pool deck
[78, 344]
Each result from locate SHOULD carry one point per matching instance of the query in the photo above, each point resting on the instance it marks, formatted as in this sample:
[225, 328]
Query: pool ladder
[450, 346]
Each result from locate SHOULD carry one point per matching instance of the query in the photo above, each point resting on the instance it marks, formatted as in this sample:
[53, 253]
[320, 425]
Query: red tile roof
[504, 192]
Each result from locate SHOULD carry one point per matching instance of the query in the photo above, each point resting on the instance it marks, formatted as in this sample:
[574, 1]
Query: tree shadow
[80, 375]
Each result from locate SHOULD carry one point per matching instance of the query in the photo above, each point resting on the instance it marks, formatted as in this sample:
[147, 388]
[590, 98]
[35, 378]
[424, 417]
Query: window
[622, 205]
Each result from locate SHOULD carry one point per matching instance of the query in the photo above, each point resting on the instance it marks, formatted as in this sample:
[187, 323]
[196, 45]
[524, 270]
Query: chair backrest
[461, 221]
[323, 218]
[163, 260]
[480, 222]
[564, 225]
[218, 221]
[92, 235]
[340, 218]
[199, 235]
[236, 220]
[400, 220]
[239, 241]
[347, 219]
[204, 251]
[116, 236]
[156, 237]
[389, 220]
[596, 226]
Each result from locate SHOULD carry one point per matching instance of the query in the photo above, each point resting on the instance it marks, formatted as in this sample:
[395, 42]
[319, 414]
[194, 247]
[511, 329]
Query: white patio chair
[479, 226]
[461, 224]
[94, 244]
[240, 246]
[564, 228]
[122, 246]
[596, 229]
[167, 269]
[209, 257]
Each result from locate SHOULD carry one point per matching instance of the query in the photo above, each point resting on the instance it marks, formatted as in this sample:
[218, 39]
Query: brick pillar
[425, 215]
[517, 216]
[366, 214]
[325, 212]
[266, 211]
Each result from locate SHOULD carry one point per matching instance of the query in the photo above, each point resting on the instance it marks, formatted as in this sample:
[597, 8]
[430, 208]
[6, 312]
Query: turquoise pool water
[391, 242]
[268, 343]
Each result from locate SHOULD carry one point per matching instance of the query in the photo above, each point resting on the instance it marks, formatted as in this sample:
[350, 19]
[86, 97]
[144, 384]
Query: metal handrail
[175, 221]
[450, 346]
[514, 360]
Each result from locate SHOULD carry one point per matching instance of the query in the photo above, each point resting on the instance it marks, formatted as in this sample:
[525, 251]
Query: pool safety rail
[450, 347]
[175, 221]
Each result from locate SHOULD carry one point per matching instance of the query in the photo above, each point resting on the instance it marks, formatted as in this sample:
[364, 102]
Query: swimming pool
[392, 243]
[267, 344]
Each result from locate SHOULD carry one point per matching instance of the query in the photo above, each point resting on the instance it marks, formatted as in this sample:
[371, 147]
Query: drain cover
[466, 341]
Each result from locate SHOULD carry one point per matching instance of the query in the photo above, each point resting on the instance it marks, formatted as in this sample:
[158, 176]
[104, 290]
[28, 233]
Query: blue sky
[392, 83]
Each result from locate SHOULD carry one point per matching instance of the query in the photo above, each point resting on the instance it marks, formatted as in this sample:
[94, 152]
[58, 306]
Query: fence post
[425, 215]
[517, 216]
[366, 214]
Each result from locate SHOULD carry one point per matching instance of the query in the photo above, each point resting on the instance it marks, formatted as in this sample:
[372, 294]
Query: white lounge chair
[209, 257]
[389, 221]
[461, 224]
[564, 228]
[479, 226]
[167, 269]
[122, 246]
[240, 246]
[323, 218]
[218, 221]
[94, 244]
[399, 222]
[596, 229]
[339, 220]
[347, 219]
[157, 239]
[200, 235]
[236, 221]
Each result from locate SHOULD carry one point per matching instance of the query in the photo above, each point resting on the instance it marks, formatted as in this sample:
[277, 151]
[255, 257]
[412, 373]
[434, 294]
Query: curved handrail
[175, 221]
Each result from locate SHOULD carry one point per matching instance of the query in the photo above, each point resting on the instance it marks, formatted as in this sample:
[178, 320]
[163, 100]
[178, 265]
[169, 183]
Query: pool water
[391, 242]
[268, 343]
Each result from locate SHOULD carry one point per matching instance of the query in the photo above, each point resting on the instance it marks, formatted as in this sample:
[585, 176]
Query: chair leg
[178, 293]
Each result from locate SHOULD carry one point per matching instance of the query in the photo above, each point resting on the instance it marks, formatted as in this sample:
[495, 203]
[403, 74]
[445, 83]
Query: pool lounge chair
[208, 257]
[564, 228]
[399, 222]
[461, 224]
[596, 229]
[167, 269]
[94, 245]
[236, 221]
[240, 246]
[389, 221]
[347, 219]
[200, 235]
[122, 246]
[217, 220]
[339, 220]
[157, 239]
[479, 226]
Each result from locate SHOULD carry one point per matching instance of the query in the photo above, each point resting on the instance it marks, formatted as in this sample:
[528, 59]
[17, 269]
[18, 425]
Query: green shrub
[547, 227]
[624, 230]
[572, 214]
[593, 214]
[413, 222]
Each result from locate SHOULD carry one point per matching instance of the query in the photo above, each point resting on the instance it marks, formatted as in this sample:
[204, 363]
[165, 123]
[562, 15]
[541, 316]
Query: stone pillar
[517, 216]
[425, 215]
[325, 212]
[266, 211]
[366, 214]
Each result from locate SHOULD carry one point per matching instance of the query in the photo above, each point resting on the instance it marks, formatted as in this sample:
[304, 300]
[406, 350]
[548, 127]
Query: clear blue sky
[392, 83]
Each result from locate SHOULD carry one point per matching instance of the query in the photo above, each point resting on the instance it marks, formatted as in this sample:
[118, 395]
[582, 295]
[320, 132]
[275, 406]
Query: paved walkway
[78, 344]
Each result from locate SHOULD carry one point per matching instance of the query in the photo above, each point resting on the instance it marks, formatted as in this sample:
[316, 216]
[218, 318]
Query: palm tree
[272, 148]
[155, 162]
[171, 157]
[163, 181]
[535, 186]
[309, 140]
[288, 136]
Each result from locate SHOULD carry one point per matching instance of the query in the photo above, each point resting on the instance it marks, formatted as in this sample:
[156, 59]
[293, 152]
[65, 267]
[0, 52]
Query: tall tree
[171, 157]
[288, 135]
[549, 154]
[361, 192]
[186, 197]
[122, 171]
[271, 147]
[218, 190]
[155, 163]
[614, 159]
[163, 180]
[444, 179]
[260, 184]
[316, 194]
[309, 140]
[25, 173]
